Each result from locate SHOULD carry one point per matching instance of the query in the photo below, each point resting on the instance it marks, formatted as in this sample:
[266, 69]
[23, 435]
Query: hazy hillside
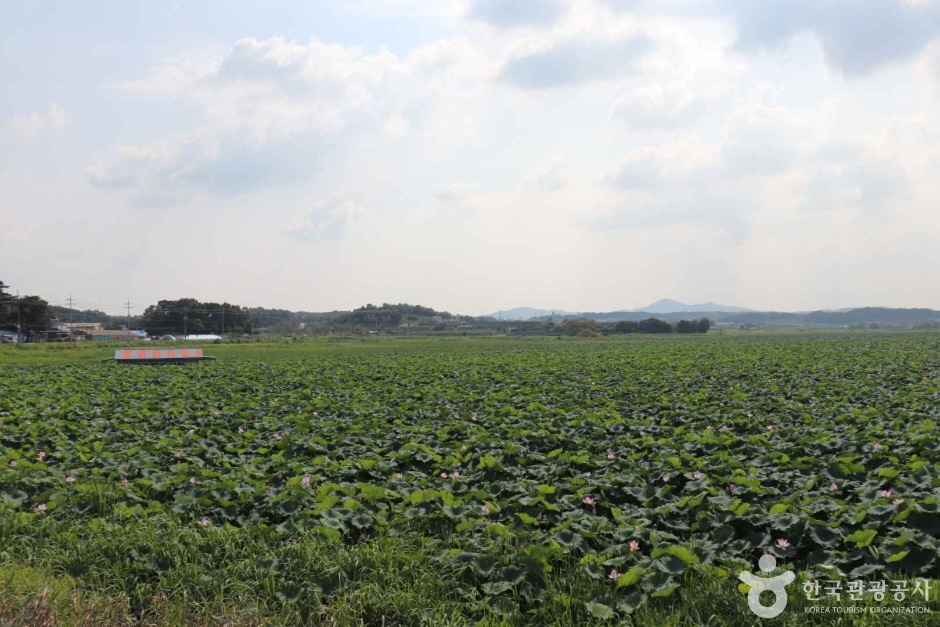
[668, 305]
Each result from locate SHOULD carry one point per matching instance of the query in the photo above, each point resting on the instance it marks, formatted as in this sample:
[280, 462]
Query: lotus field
[465, 481]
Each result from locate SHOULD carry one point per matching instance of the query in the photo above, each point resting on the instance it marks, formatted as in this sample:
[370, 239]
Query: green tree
[188, 315]
[582, 327]
[654, 325]
[626, 326]
[686, 326]
[34, 315]
[6, 304]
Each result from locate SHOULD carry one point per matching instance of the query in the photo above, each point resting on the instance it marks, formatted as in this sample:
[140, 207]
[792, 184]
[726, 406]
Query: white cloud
[548, 178]
[857, 37]
[328, 220]
[761, 140]
[655, 105]
[591, 45]
[665, 166]
[270, 110]
[53, 119]
[455, 194]
[513, 13]
[688, 73]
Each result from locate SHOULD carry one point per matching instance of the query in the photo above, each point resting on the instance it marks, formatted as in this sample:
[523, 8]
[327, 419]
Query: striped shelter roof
[132, 354]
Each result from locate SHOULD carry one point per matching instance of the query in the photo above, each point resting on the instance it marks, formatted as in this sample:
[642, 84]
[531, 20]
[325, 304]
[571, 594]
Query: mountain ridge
[661, 306]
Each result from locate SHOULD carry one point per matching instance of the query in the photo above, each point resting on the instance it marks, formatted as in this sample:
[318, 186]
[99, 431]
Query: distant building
[107, 335]
[203, 338]
[82, 326]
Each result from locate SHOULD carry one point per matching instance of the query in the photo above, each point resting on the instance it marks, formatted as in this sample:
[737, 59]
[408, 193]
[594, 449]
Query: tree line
[586, 327]
[389, 315]
[190, 316]
[31, 313]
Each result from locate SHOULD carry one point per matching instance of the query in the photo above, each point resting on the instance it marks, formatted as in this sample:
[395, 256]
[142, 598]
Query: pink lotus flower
[70, 479]
[204, 522]
[730, 487]
[887, 433]
[587, 474]
[463, 448]
[634, 546]
[277, 436]
[41, 456]
[216, 414]
[192, 481]
[191, 431]
[877, 446]
[833, 487]
[443, 475]
[473, 419]
[13, 464]
[485, 508]
[697, 475]
[241, 429]
[610, 456]
[399, 475]
[178, 454]
[614, 575]
[884, 494]
[666, 479]
[750, 415]
[589, 501]
[305, 482]
[723, 428]
[897, 502]
[783, 543]
[456, 475]
[41, 508]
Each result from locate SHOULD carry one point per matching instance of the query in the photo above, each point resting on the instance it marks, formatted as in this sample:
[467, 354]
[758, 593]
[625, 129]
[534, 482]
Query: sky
[471, 155]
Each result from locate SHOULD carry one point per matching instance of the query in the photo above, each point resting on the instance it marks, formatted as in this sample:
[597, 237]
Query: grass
[230, 577]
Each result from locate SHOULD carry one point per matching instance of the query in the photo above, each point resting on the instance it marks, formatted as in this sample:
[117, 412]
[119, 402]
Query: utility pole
[19, 325]
[223, 319]
[71, 318]
[185, 323]
[128, 305]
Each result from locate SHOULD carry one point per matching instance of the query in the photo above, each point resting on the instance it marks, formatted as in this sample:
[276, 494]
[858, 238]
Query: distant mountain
[527, 313]
[668, 305]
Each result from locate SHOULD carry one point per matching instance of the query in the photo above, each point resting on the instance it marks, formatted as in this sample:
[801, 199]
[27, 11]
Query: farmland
[459, 481]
